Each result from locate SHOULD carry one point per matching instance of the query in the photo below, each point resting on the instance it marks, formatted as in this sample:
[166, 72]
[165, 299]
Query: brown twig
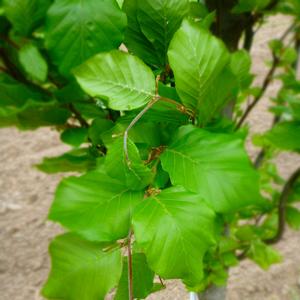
[268, 79]
[287, 189]
[130, 273]
[78, 116]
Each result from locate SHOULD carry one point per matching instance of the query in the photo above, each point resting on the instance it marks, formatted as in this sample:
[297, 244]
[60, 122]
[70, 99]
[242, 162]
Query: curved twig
[287, 189]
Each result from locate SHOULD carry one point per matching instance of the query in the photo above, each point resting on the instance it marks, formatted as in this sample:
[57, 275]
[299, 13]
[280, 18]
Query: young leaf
[142, 278]
[25, 15]
[174, 229]
[95, 206]
[240, 65]
[293, 217]
[159, 20]
[77, 30]
[214, 165]
[33, 62]
[123, 79]
[81, 270]
[197, 58]
[133, 173]
[264, 255]
[285, 135]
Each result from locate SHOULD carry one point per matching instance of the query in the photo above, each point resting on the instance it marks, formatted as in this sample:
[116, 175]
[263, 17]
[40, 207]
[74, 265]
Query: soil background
[26, 194]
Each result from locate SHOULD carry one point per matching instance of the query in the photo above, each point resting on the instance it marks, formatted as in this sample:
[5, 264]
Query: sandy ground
[26, 194]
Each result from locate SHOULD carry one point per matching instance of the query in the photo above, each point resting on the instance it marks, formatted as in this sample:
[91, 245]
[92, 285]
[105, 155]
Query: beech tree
[153, 97]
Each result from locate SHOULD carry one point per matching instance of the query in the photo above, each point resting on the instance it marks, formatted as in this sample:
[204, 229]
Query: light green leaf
[159, 20]
[25, 15]
[142, 278]
[33, 62]
[77, 30]
[197, 59]
[174, 229]
[133, 173]
[214, 165]
[74, 136]
[264, 255]
[285, 135]
[123, 79]
[240, 65]
[81, 270]
[293, 217]
[95, 206]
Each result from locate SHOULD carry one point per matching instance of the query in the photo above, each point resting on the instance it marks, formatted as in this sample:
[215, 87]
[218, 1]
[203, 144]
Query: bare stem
[132, 123]
[267, 80]
[287, 189]
[130, 274]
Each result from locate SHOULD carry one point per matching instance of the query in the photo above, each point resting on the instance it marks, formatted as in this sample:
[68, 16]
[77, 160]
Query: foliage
[151, 97]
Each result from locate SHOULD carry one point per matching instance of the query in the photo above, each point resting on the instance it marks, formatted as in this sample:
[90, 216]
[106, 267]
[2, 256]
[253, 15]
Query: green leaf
[81, 270]
[174, 229]
[214, 165]
[142, 278]
[77, 160]
[74, 136]
[98, 127]
[134, 39]
[95, 206]
[133, 173]
[25, 15]
[33, 62]
[285, 135]
[122, 79]
[240, 65]
[197, 59]
[159, 20]
[264, 255]
[77, 30]
[293, 217]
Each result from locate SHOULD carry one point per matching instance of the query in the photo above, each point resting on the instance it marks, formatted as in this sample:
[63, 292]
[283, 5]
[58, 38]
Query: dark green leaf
[74, 136]
[25, 15]
[95, 206]
[175, 229]
[81, 270]
[159, 20]
[78, 160]
[77, 30]
[135, 40]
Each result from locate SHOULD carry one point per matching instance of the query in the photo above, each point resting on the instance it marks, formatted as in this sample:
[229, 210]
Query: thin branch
[132, 123]
[130, 273]
[78, 116]
[287, 189]
[265, 85]
[179, 106]
[267, 80]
